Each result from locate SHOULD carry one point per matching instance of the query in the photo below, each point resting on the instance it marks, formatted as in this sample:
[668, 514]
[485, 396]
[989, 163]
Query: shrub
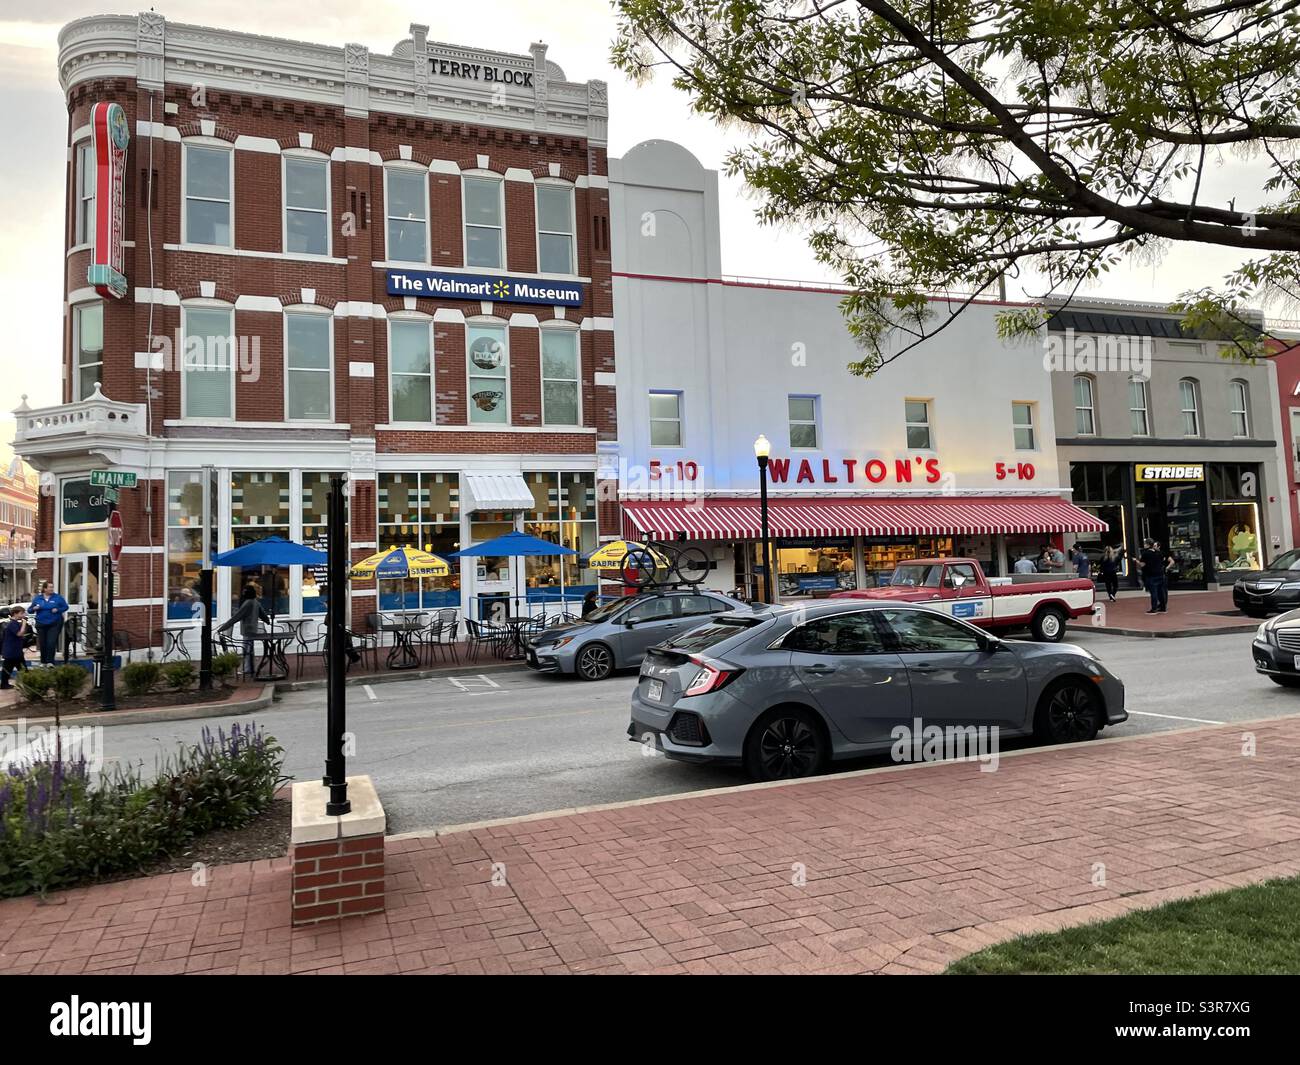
[140, 678]
[59, 826]
[34, 684]
[225, 665]
[178, 675]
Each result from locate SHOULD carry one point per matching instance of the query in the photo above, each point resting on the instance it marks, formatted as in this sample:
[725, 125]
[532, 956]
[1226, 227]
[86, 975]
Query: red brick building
[18, 496]
[391, 266]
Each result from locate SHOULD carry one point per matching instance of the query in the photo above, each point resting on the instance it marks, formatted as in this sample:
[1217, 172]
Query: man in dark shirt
[1154, 563]
[12, 633]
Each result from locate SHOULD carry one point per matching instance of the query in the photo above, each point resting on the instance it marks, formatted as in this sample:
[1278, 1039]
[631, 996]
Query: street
[475, 747]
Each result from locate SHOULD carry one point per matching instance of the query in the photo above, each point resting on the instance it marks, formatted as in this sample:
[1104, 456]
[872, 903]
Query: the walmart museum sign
[497, 288]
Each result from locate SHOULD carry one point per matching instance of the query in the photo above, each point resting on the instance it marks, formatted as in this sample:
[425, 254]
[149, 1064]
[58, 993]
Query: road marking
[488, 683]
[1175, 717]
[370, 692]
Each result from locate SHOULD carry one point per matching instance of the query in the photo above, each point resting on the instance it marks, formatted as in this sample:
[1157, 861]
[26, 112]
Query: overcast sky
[578, 32]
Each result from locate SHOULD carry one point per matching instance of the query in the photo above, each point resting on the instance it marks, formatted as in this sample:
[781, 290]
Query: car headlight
[1262, 632]
[560, 642]
[1289, 586]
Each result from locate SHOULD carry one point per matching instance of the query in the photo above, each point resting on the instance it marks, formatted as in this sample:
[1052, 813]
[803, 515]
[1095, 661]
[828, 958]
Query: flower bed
[61, 825]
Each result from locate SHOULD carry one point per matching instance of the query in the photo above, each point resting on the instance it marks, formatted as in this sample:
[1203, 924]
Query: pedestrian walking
[48, 609]
[1155, 565]
[1082, 564]
[1111, 561]
[246, 615]
[12, 635]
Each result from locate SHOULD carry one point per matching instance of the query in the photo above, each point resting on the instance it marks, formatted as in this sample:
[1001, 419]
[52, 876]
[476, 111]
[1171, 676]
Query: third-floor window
[85, 226]
[406, 202]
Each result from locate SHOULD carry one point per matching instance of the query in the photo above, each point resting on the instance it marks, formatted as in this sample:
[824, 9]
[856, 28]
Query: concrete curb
[145, 715]
[1172, 634]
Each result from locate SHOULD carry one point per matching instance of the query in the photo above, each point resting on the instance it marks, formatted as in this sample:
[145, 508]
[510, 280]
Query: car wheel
[1068, 712]
[1048, 625]
[786, 743]
[594, 662]
[1286, 682]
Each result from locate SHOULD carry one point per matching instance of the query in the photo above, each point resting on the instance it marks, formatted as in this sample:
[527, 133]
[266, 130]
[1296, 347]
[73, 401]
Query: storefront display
[811, 566]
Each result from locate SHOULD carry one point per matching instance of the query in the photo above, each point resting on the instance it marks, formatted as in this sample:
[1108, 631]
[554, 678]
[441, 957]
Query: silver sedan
[784, 691]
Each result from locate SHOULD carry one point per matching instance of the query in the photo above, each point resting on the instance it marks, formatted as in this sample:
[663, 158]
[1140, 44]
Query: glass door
[82, 587]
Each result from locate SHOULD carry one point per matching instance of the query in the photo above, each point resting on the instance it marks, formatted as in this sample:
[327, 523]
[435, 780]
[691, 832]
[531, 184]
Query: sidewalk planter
[338, 861]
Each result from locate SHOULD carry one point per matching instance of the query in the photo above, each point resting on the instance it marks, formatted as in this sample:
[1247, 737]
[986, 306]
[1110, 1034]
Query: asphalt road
[451, 751]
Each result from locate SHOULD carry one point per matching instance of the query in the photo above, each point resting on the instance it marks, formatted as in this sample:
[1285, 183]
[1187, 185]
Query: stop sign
[115, 535]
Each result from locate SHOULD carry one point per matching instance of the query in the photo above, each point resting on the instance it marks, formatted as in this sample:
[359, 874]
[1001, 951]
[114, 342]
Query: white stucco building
[949, 449]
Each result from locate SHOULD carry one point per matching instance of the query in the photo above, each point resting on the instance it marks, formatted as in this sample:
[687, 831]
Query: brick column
[338, 862]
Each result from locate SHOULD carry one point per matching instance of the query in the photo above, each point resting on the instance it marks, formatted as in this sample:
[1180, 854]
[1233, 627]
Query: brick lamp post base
[338, 861]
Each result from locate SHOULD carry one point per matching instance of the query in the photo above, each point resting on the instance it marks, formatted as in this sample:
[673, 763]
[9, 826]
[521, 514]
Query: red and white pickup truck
[957, 586]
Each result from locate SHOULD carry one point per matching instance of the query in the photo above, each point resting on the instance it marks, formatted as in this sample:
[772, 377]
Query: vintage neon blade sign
[109, 137]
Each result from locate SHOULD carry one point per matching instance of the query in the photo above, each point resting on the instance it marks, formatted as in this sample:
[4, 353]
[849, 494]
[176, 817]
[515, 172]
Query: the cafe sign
[84, 503]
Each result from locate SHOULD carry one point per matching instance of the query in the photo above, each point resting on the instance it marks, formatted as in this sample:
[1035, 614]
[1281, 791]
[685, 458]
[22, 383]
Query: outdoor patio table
[403, 654]
[272, 665]
[173, 641]
[516, 623]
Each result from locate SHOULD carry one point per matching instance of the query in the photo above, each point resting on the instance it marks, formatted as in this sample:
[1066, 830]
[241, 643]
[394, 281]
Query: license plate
[655, 689]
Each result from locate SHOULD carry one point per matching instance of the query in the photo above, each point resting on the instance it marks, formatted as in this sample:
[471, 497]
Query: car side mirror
[992, 645]
[629, 624]
[958, 581]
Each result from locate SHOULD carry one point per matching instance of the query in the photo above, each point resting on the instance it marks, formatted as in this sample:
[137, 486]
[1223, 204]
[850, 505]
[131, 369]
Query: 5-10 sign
[1021, 471]
[681, 471]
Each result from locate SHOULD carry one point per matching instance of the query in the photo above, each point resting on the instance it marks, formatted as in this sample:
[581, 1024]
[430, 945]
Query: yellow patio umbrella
[611, 556]
[401, 562]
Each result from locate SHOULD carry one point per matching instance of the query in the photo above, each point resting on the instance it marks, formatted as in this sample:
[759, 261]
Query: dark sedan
[1269, 591]
[1276, 649]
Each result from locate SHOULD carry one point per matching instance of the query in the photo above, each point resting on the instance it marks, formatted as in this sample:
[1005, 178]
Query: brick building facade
[273, 192]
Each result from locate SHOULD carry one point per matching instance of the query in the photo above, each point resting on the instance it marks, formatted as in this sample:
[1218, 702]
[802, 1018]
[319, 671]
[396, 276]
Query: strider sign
[1156, 471]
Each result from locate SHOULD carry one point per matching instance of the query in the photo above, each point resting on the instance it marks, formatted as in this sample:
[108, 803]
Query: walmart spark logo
[500, 290]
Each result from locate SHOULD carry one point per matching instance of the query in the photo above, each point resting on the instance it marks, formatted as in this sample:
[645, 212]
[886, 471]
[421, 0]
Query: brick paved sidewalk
[906, 870]
[1190, 613]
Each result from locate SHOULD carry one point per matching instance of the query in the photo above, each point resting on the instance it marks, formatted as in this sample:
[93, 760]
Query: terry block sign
[108, 137]
[497, 289]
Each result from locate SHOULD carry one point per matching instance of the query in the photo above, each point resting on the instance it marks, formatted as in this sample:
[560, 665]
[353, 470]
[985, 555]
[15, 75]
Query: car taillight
[711, 677]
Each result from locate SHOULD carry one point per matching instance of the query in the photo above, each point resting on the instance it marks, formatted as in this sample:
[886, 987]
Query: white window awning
[497, 491]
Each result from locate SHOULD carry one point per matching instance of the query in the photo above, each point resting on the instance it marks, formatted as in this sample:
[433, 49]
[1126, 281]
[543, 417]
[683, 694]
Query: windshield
[917, 576]
[606, 610]
[714, 632]
[1289, 560]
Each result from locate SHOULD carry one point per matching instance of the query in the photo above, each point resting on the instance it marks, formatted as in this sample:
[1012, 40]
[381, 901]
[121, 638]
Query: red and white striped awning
[738, 519]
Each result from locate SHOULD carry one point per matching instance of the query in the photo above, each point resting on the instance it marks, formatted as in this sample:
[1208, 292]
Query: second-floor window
[489, 375]
[410, 370]
[308, 367]
[1022, 426]
[555, 230]
[406, 202]
[1239, 407]
[1138, 407]
[1085, 416]
[208, 184]
[88, 344]
[85, 226]
[1190, 399]
[665, 419]
[484, 243]
[306, 205]
[559, 377]
[208, 388]
[803, 420]
[917, 415]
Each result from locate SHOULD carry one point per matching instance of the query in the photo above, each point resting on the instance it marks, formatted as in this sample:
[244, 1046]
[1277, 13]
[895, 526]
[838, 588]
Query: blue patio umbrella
[514, 544]
[271, 551]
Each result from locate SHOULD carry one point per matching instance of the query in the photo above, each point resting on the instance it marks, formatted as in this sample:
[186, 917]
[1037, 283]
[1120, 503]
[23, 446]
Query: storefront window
[315, 533]
[185, 540]
[259, 507]
[815, 566]
[1098, 487]
[882, 555]
[564, 512]
[420, 510]
[1234, 515]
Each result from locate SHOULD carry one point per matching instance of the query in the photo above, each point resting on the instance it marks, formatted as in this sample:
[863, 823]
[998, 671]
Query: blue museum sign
[432, 284]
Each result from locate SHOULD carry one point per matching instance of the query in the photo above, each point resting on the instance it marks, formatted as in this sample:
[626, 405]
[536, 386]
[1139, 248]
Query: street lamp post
[13, 559]
[762, 449]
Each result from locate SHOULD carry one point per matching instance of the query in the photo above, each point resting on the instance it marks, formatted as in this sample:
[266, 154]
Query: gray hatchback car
[616, 634]
[784, 691]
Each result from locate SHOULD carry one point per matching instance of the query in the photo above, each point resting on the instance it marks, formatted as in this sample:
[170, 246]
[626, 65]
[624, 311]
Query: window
[410, 371]
[1238, 406]
[960, 575]
[694, 605]
[489, 384]
[185, 539]
[208, 181]
[1085, 421]
[843, 634]
[85, 224]
[563, 512]
[1190, 398]
[483, 228]
[803, 421]
[259, 507]
[306, 205]
[923, 631]
[406, 201]
[315, 493]
[1022, 426]
[308, 366]
[420, 510]
[1138, 407]
[88, 342]
[917, 415]
[665, 419]
[659, 608]
[208, 368]
[559, 377]
[555, 230]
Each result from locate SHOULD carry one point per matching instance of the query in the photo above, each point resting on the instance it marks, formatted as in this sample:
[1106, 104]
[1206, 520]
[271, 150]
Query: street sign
[115, 535]
[112, 479]
[110, 495]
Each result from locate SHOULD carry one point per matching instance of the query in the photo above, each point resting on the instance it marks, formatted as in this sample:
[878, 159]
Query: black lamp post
[336, 647]
[762, 448]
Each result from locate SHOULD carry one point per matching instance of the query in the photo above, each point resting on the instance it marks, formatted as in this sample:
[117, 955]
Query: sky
[579, 34]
